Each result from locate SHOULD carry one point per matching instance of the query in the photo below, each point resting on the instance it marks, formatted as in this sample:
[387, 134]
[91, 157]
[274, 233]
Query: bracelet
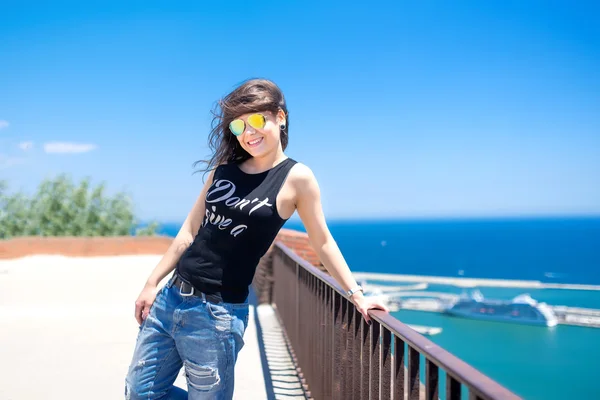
[354, 290]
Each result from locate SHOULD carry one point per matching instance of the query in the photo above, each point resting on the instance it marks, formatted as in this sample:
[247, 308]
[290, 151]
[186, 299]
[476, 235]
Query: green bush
[61, 208]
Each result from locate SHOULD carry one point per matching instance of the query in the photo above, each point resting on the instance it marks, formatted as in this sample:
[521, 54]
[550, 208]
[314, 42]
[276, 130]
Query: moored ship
[521, 309]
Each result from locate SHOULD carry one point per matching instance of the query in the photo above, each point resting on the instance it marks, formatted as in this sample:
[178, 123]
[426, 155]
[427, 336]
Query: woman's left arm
[310, 210]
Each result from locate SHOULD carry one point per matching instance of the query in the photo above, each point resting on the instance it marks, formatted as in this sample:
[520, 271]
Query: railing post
[329, 364]
[338, 344]
[398, 369]
[431, 381]
[474, 396]
[453, 388]
[365, 364]
[297, 316]
[345, 367]
[357, 354]
[349, 327]
[386, 365]
[375, 360]
[414, 384]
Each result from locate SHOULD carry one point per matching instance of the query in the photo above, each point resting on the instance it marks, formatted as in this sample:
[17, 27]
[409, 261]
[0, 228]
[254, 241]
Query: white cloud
[3, 124]
[26, 146]
[66, 147]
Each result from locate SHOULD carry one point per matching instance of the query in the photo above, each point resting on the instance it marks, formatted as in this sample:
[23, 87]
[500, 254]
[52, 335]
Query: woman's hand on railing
[364, 304]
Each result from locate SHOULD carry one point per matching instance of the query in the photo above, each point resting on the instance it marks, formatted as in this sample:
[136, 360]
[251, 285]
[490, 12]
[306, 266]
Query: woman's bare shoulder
[301, 175]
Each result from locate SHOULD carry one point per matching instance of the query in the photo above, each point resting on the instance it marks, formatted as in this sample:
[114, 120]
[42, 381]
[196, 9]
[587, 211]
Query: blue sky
[401, 109]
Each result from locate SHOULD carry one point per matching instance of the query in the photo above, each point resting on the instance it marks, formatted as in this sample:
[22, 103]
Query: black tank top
[240, 224]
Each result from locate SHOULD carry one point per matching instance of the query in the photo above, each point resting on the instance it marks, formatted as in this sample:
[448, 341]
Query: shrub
[61, 208]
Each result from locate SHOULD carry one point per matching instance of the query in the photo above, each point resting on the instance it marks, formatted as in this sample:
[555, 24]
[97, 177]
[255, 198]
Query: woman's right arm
[182, 241]
[184, 238]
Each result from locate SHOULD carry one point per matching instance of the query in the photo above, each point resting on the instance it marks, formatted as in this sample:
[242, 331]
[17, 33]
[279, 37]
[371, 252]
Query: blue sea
[562, 362]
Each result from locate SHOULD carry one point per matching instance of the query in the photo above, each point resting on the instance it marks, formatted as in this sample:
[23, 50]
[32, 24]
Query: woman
[198, 318]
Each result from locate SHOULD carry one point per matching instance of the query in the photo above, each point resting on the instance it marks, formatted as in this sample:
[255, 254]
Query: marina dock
[588, 317]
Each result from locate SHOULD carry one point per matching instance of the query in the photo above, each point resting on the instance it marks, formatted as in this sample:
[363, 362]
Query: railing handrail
[453, 366]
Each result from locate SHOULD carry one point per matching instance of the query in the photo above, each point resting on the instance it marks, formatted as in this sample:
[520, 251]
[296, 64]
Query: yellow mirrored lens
[257, 121]
[237, 127]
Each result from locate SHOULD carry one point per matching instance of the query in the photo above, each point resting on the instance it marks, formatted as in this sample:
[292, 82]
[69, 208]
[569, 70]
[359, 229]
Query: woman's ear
[281, 117]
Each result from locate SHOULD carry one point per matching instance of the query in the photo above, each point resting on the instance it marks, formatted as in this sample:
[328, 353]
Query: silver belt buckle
[185, 294]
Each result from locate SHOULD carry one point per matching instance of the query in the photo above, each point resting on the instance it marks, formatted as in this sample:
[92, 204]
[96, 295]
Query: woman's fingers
[375, 304]
[380, 305]
[145, 311]
[142, 309]
[138, 312]
[144, 303]
[365, 314]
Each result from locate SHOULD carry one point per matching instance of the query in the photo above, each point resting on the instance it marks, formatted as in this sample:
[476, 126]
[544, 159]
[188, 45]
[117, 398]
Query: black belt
[188, 290]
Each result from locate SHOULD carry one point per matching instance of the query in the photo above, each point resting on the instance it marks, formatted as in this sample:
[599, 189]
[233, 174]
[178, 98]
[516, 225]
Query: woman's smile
[254, 142]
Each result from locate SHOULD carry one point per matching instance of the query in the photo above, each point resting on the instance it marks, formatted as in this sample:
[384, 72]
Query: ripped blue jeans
[190, 332]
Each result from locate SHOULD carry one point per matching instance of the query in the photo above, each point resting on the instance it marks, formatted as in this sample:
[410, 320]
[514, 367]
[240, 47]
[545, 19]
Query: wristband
[354, 290]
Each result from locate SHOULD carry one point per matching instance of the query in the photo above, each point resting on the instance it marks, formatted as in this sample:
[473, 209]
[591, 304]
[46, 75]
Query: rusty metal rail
[341, 357]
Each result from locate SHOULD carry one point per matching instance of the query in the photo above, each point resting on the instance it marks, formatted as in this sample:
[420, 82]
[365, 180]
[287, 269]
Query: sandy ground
[67, 329]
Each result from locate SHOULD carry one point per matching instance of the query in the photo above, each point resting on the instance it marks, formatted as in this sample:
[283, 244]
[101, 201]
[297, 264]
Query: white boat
[521, 309]
[426, 330]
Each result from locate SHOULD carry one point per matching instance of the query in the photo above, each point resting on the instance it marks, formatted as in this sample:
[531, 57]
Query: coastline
[472, 282]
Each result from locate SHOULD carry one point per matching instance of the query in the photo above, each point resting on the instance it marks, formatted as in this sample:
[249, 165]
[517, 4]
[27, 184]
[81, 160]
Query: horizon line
[428, 218]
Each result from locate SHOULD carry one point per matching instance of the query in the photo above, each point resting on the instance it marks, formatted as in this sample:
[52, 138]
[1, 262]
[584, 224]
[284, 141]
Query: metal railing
[341, 357]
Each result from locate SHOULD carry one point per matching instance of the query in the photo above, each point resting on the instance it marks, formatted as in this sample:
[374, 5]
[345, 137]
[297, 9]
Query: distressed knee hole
[202, 378]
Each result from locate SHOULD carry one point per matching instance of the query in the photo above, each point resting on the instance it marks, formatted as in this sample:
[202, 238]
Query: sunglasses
[238, 126]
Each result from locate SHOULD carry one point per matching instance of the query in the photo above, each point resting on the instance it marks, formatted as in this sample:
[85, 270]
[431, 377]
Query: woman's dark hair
[253, 95]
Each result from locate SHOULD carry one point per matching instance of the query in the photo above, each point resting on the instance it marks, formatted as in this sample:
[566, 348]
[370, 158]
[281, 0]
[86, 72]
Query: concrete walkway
[67, 331]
